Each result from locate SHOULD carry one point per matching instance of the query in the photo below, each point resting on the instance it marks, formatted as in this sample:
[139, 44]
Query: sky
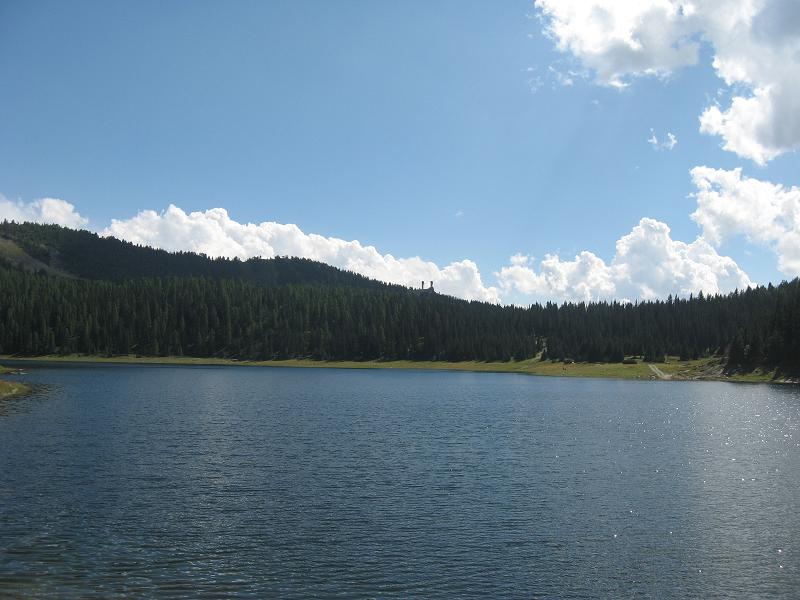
[511, 152]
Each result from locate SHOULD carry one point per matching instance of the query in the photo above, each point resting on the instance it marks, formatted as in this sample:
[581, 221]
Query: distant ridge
[64, 292]
[61, 251]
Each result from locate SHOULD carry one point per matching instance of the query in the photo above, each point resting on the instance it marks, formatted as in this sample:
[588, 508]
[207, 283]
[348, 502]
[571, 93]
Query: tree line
[115, 297]
[755, 327]
[235, 318]
[196, 316]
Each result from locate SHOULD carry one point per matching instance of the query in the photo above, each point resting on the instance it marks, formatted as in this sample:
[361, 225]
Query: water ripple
[246, 483]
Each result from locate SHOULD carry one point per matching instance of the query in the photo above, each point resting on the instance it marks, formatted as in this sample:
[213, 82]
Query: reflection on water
[163, 481]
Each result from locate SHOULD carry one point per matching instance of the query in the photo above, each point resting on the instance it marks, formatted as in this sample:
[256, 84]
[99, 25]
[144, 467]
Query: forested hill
[123, 299]
[88, 256]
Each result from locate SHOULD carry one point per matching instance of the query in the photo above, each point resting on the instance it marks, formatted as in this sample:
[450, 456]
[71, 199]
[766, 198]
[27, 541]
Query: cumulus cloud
[618, 39]
[586, 277]
[729, 204]
[46, 210]
[214, 233]
[756, 46]
[647, 264]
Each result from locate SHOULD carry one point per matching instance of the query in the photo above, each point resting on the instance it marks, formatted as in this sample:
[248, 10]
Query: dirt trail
[658, 372]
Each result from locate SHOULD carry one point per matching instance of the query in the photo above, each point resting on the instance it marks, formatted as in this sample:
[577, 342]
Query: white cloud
[214, 233]
[767, 214]
[45, 210]
[586, 277]
[647, 264]
[618, 39]
[667, 144]
[756, 45]
[519, 259]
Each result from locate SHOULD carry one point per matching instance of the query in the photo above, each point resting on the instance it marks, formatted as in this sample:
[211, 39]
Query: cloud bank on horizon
[756, 48]
[45, 210]
[214, 233]
[648, 263]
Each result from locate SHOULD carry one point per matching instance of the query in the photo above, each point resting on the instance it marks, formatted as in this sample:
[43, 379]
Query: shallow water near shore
[119, 481]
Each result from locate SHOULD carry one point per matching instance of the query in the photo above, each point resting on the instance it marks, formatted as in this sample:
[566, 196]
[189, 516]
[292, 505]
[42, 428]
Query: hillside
[62, 251]
[65, 291]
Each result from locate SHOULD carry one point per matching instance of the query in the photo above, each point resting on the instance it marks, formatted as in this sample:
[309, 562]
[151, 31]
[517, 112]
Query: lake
[120, 481]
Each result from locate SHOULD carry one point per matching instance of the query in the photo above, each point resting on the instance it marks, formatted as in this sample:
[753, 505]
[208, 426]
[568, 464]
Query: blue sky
[441, 130]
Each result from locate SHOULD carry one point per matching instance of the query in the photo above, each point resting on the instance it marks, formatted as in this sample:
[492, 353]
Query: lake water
[120, 481]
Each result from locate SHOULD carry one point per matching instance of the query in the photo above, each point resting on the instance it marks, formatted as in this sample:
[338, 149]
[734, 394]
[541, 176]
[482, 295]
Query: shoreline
[708, 369]
[10, 390]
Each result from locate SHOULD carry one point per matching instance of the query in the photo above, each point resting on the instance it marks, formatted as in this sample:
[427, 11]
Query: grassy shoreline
[10, 389]
[673, 369]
